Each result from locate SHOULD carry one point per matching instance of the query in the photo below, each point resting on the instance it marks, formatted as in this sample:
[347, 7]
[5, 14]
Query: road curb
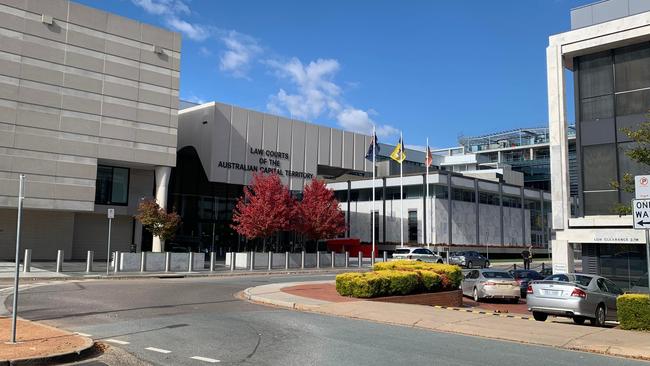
[71, 356]
[246, 295]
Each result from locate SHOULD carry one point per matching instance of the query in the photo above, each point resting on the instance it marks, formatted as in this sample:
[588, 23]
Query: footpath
[321, 297]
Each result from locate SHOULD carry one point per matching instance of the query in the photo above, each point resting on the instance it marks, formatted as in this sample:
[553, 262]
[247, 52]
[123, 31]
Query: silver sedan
[492, 284]
[574, 295]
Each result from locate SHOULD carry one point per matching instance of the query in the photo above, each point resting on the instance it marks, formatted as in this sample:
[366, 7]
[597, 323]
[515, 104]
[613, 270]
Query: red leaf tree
[318, 214]
[265, 208]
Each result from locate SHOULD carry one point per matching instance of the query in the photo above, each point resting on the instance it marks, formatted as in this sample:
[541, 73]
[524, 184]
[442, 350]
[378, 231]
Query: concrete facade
[80, 88]
[473, 224]
[596, 35]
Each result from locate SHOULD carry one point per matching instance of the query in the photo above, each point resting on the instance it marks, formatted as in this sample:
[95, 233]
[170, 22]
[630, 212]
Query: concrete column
[27, 261]
[143, 261]
[449, 213]
[383, 211]
[501, 213]
[162, 174]
[348, 211]
[558, 143]
[562, 256]
[59, 260]
[425, 216]
[90, 256]
[523, 217]
[477, 212]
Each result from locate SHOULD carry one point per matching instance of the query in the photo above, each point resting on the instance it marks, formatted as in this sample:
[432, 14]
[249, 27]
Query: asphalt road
[199, 317]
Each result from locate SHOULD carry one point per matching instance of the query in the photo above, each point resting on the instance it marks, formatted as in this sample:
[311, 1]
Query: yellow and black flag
[398, 153]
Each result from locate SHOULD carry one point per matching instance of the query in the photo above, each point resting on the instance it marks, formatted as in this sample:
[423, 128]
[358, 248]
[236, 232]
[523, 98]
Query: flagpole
[426, 181]
[372, 214]
[401, 191]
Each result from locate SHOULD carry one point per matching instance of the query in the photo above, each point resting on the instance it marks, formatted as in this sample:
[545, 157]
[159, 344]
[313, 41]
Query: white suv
[417, 254]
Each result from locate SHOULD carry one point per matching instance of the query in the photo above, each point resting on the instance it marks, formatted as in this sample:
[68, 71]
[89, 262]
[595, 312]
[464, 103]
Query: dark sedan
[524, 277]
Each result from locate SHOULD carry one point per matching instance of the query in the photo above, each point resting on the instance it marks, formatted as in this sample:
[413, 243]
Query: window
[464, 195]
[413, 225]
[632, 67]
[112, 186]
[595, 75]
[376, 216]
[489, 198]
[599, 167]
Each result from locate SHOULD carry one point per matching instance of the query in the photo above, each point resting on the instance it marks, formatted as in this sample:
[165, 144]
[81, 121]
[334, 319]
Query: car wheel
[599, 320]
[579, 320]
[515, 300]
[439, 261]
[470, 265]
[540, 317]
[475, 295]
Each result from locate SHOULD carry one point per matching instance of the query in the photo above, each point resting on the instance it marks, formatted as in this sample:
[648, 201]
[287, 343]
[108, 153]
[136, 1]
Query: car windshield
[402, 251]
[525, 275]
[577, 279]
[458, 254]
[505, 275]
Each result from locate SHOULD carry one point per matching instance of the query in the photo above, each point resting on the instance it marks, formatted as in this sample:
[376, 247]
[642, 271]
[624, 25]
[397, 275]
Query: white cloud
[204, 51]
[317, 94]
[171, 11]
[195, 32]
[240, 51]
[194, 99]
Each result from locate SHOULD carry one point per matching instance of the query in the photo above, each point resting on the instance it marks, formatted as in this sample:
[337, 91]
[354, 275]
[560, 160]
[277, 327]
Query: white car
[417, 254]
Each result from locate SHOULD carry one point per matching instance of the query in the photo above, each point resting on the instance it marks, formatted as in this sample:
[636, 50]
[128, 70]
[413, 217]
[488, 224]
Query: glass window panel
[595, 75]
[600, 203]
[120, 186]
[103, 184]
[632, 103]
[597, 108]
[413, 226]
[598, 166]
[632, 67]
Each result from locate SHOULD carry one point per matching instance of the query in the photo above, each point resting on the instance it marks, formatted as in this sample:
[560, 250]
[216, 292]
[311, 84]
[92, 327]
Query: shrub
[381, 283]
[451, 275]
[634, 311]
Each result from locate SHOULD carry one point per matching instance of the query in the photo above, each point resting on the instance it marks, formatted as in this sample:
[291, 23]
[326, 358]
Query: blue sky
[430, 68]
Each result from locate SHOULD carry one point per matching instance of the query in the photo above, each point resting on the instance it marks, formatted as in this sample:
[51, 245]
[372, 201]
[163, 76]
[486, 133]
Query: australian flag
[373, 147]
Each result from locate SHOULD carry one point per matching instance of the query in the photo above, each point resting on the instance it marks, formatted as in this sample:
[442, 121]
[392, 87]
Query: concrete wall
[42, 231]
[86, 89]
[91, 233]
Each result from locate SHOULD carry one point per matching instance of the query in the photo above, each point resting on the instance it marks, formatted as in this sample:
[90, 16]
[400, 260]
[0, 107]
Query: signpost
[641, 217]
[21, 198]
[111, 216]
[642, 187]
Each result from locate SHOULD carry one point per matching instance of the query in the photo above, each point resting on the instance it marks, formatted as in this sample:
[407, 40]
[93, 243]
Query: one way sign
[641, 214]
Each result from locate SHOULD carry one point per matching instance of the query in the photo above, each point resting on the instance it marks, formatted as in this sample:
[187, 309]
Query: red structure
[351, 245]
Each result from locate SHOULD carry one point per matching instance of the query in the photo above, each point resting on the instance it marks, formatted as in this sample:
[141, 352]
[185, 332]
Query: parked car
[417, 254]
[469, 259]
[487, 283]
[574, 295]
[546, 272]
[524, 277]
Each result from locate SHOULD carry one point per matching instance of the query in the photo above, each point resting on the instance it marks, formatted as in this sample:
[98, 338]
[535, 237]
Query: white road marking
[117, 341]
[84, 334]
[159, 350]
[210, 360]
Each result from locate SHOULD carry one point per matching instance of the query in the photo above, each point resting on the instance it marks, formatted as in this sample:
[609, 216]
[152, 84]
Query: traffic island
[39, 344]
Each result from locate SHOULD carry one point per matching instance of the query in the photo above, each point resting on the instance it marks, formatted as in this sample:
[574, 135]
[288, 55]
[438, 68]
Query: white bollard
[252, 261]
[116, 262]
[270, 261]
[59, 261]
[190, 263]
[232, 261]
[302, 260]
[333, 259]
[143, 261]
[213, 258]
[90, 256]
[168, 261]
[360, 256]
[347, 259]
[27, 261]
[317, 259]
[286, 260]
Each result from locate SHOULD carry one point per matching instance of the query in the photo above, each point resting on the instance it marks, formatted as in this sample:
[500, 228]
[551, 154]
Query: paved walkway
[556, 332]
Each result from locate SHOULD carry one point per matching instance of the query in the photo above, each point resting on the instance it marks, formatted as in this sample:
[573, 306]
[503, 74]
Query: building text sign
[268, 161]
[642, 187]
[641, 214]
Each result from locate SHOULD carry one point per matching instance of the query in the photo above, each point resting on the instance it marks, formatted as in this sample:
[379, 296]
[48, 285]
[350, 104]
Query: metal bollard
[116, 262]
[27, 261]
[333, 259]
[213, 258]
[317, 259]
[90, 257]
[143, 261]
[542, 266]
[168, 261]
[385, 256]
[232, 261]
[360, 259]
[514, 266]
[347, 259]
[270, 261]
[286, 260]
[372, 259]
[302, 260]
[190, 262]
[252, 260]
[59, 261]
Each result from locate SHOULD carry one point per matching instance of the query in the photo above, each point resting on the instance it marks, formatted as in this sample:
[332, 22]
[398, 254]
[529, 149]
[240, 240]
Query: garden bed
[453, 298]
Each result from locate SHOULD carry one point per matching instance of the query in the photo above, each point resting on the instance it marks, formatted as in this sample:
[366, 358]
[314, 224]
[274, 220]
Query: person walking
[525, 255]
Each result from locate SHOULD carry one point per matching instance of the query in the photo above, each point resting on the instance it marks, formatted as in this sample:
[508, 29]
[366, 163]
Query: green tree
[157, 220]
[640, 154]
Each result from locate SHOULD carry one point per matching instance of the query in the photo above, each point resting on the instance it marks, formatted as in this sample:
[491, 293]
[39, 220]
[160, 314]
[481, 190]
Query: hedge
[450, 275]
[634, 311]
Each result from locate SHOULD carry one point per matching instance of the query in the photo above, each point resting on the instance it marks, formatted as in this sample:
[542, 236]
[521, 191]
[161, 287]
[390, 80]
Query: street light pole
[21, 197]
